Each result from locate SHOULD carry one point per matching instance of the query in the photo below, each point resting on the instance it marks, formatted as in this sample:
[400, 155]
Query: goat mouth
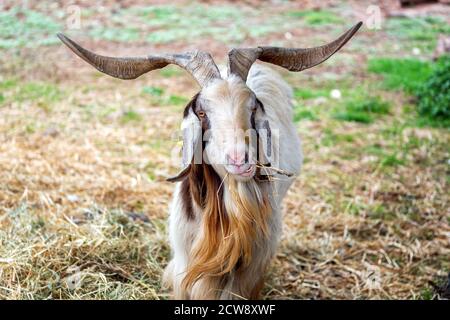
[244, 171]
[249, 172]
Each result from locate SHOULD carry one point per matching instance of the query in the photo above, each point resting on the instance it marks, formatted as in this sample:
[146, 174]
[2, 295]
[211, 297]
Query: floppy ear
[262, 126]
[192, 141]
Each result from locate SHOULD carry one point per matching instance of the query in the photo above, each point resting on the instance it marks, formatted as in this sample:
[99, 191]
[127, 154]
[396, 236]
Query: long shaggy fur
[234, 219]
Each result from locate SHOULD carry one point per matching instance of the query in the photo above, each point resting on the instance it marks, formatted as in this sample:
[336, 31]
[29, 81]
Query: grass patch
[353, 116]
[369, 105]
[390, 156]
[21, 27]
[317, 18]
[307, 93]
[38, 91]
[170, 71]
[173, 23]
[153, 91]
[174, 100]
[8, 84]
[401, 74]
[391, 160]
[361, 108]
[331, 138]
[131, 116]
[303, 114]
[418, 32]
[170, 23]
[121, 34]
[43, 94]
[380, 212]
[159, 98]
[424, 121]
[418, 28]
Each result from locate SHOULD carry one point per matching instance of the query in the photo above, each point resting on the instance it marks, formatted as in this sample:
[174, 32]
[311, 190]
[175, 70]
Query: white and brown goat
[239, 143]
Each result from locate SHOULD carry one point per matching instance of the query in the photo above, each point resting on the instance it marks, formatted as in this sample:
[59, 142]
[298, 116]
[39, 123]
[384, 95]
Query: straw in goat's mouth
[277, 170]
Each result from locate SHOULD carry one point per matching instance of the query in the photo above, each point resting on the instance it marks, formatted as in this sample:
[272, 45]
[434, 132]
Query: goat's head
[225, 110]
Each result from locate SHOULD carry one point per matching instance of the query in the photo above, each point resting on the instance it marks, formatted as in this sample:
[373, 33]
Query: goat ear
[265, 152]
[192, 142]
[265, 141]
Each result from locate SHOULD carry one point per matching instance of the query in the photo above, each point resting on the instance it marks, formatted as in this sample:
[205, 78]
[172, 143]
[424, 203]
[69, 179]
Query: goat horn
[293, 59]
[198, 63]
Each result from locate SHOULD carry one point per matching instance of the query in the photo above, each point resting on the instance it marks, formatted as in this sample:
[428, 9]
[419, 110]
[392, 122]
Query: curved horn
[199, 64]
[240, 60]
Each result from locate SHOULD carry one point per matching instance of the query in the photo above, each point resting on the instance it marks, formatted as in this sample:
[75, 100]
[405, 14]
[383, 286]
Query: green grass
[175, 100]
[380, 212]
[303, 114]
[38, 91]
[159, 98]
[170, 71]
[156, 24]
[369, 105]
[170, 23]
[44, 94]
[121, 34]
[410, 75]
[8, 84]
[424, 121]
[153, 91]
[21, 27]
[330, 138]
[353, 116]
[419, 32]
[401, 74]
[426, 294]
[361, 108]
[309, 93]
[391, 160]
[131, 116]
[173, 23]
[418, 28]
[317, 18]
[388, 156]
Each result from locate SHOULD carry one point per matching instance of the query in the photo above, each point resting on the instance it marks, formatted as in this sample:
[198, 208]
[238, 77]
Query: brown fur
[228, 234]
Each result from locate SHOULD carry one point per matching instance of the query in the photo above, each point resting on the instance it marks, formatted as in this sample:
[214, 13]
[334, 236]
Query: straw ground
[83, 157]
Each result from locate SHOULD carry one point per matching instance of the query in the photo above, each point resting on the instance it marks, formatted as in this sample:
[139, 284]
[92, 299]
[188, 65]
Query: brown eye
[201, 114]
[254, 108]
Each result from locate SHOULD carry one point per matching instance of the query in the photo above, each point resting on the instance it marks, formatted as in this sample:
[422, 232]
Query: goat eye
[201, 114]
[254, 108]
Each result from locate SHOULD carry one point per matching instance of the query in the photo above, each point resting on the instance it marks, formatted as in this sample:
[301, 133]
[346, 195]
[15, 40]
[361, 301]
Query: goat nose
[236, 159]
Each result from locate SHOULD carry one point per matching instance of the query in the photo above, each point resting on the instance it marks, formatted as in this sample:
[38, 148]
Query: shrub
[434, 94]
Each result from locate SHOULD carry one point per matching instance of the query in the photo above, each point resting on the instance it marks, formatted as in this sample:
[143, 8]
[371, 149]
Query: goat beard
[234, 220]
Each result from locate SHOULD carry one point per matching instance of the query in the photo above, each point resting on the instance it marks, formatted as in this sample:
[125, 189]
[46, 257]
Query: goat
[225, 216]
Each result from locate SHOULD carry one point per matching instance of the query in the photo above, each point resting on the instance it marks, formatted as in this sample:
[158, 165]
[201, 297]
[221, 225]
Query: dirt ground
[84, 157]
